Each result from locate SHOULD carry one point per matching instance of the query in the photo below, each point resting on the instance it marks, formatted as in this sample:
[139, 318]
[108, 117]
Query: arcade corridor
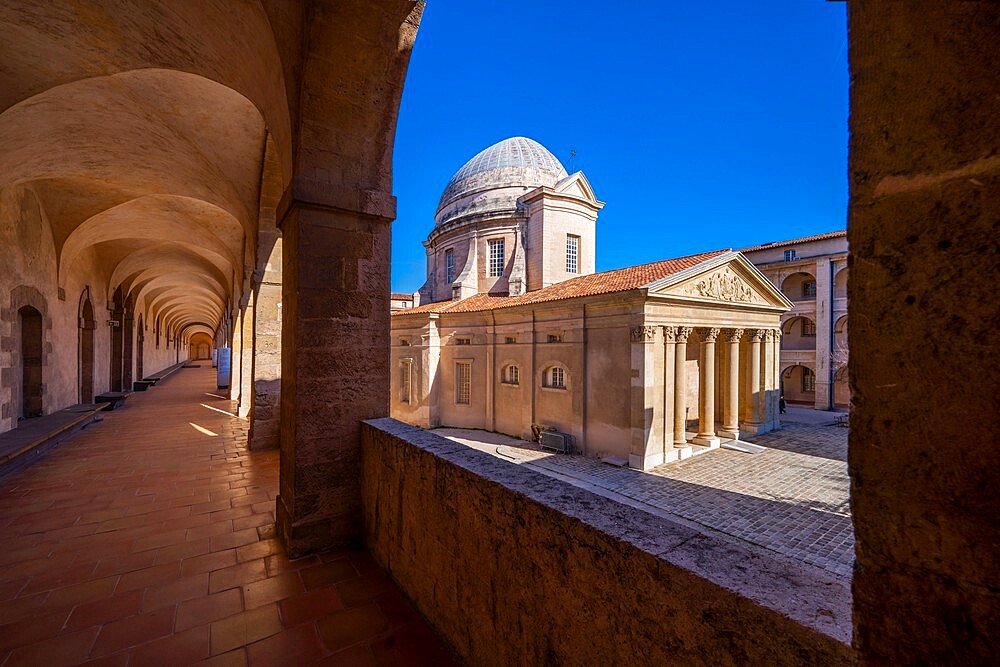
[149, 539]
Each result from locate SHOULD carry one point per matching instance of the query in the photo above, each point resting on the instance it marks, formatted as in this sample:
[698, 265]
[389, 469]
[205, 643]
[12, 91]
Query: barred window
[496, 257]
[511, 339]
[555, 338]
[463, 382]
[463, 341]
[808, 380]
[809, 289]
[572, 253]
[449, 263]
[511, 375]
[808, 327]
[405, 369]
[554, 378]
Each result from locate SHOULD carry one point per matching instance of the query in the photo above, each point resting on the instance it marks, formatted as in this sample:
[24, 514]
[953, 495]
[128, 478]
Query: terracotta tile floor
[149, 539]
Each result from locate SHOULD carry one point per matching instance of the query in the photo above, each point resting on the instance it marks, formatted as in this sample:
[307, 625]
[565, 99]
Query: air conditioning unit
[556, 441]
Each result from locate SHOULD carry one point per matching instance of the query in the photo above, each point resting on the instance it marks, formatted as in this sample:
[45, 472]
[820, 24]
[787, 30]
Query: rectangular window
[808, 327]
[572, 253]
[555, 338]
[496, 258]
[789, 255]
[511, 375]
[463, 382]
[556, 377]
[404, 343]
[511, 339]
[405, 367]
[463, 341]
[449, 263]
[809, 289]
[808, 380]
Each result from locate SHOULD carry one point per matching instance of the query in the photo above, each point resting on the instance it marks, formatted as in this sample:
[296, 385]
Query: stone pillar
[824, 334]
[706, 390]
[753, 423]
[265, 412]
[335, 367]
[680, 387]
[768, 380]
[647, 438]
[236, 356]
[669, 354]
[246, 359]
[731, 415]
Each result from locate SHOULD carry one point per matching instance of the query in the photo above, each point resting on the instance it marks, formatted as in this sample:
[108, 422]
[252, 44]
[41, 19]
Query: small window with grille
[809, 289]
[496, 257]
[463, 382]
[449, 263]
[572, 253]
[555, 338]
[405, 370]
[510, 339]
[808, 328]
[463, 341]
[808, 380]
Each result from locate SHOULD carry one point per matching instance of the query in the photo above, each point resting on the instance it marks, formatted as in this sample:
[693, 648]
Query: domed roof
[513, 162]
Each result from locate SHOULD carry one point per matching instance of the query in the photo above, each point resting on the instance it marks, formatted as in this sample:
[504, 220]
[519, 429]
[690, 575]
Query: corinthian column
[706, 386]
[753, 380]
[680, 387]
[731, 416]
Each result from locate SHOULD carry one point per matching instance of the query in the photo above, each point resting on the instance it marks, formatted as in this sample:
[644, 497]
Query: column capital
[756, 335]
[734, 335]
[683, 333]
[643, 334]
[709, 334]
[669, 334]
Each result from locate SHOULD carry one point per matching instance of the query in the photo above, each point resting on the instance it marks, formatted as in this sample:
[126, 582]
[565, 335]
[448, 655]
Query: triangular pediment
[729, 278]
[577, 185]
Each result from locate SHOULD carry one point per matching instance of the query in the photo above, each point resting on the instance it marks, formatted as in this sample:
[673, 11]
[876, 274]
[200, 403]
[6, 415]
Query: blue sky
[702, 125]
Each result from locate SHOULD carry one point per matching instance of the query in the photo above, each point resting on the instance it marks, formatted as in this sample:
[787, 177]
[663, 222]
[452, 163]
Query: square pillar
[647, 423]
[824, 334]
[265, 412]
[334, 367]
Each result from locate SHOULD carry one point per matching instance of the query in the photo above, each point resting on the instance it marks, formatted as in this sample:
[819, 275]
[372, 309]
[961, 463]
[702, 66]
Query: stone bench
[162, 375]
[112, 399]
[33, 437]
[142, 385]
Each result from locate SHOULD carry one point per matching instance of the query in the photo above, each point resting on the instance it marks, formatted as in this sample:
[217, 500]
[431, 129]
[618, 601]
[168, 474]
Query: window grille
[463, 341]
[808, 328]
[809, 289]
[511, 339]
[555, 338]
[572, 253]
[449, 262]
[405, 367]
[496, 257]
[808, 380]
[463, 382]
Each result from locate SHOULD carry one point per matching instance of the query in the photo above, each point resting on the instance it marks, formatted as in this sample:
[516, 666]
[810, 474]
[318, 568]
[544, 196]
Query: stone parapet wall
[512, 567]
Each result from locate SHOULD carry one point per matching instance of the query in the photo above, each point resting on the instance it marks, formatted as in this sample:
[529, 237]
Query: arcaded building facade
[812, 273]
[647, 364]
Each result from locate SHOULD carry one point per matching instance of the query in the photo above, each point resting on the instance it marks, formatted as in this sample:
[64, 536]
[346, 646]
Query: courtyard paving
[791, 499]
[149, 539]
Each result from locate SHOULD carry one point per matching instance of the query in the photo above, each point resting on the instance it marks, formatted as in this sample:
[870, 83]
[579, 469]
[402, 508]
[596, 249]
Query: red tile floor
[149, 539]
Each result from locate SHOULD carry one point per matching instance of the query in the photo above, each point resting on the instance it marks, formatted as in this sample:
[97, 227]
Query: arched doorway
[86, 351]
[798, 384]
[117, 315]
[140, 336]
[32, 351]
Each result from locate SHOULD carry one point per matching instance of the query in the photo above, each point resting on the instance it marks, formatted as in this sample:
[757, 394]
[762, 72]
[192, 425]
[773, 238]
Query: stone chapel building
[514, 329]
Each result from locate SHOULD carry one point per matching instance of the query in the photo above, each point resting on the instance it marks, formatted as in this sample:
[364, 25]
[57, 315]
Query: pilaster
[647, 437]
[824, 333]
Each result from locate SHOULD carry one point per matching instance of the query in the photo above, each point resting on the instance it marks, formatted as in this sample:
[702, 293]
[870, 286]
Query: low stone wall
[515, 568]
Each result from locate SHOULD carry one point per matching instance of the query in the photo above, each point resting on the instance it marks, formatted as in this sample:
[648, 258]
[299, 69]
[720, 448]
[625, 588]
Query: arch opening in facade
[798, 384]
[32, 358]
[800, 286]
[798, 333]
[85, 364]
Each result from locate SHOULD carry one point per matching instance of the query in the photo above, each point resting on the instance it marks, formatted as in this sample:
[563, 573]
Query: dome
[517, 162]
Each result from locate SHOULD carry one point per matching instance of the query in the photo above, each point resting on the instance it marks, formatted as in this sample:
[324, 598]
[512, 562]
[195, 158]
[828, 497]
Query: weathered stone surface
[923, 229]
[489, 551]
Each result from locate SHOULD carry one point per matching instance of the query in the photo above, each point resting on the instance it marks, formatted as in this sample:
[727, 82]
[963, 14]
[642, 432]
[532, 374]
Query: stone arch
[798, 333]
[796, 286]
[140, 337]
[555, 375]
[798, 383]
[116, 373]
[85, 347]
[840, 284]
[32, 355]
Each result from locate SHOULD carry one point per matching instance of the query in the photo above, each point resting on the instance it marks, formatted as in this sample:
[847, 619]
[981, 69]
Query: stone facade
[812, 273]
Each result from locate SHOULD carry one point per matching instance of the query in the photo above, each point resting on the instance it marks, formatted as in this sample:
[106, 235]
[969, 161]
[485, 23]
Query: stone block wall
[514, 568]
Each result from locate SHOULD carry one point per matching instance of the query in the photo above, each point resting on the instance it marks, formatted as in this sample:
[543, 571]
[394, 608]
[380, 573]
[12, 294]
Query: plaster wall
[550, 221]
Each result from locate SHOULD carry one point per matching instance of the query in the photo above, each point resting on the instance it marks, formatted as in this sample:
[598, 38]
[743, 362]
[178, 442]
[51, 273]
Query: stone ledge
[488, 549]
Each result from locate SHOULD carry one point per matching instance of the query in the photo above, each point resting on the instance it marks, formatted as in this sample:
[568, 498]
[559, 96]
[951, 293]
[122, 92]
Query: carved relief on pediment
[722, 285]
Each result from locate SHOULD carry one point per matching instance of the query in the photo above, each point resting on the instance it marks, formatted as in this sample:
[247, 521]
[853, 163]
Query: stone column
[753, 381]
[334, 366]
[680, 387]
[246, 359]
[669, 365]
[706, 390]
[731, 415]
